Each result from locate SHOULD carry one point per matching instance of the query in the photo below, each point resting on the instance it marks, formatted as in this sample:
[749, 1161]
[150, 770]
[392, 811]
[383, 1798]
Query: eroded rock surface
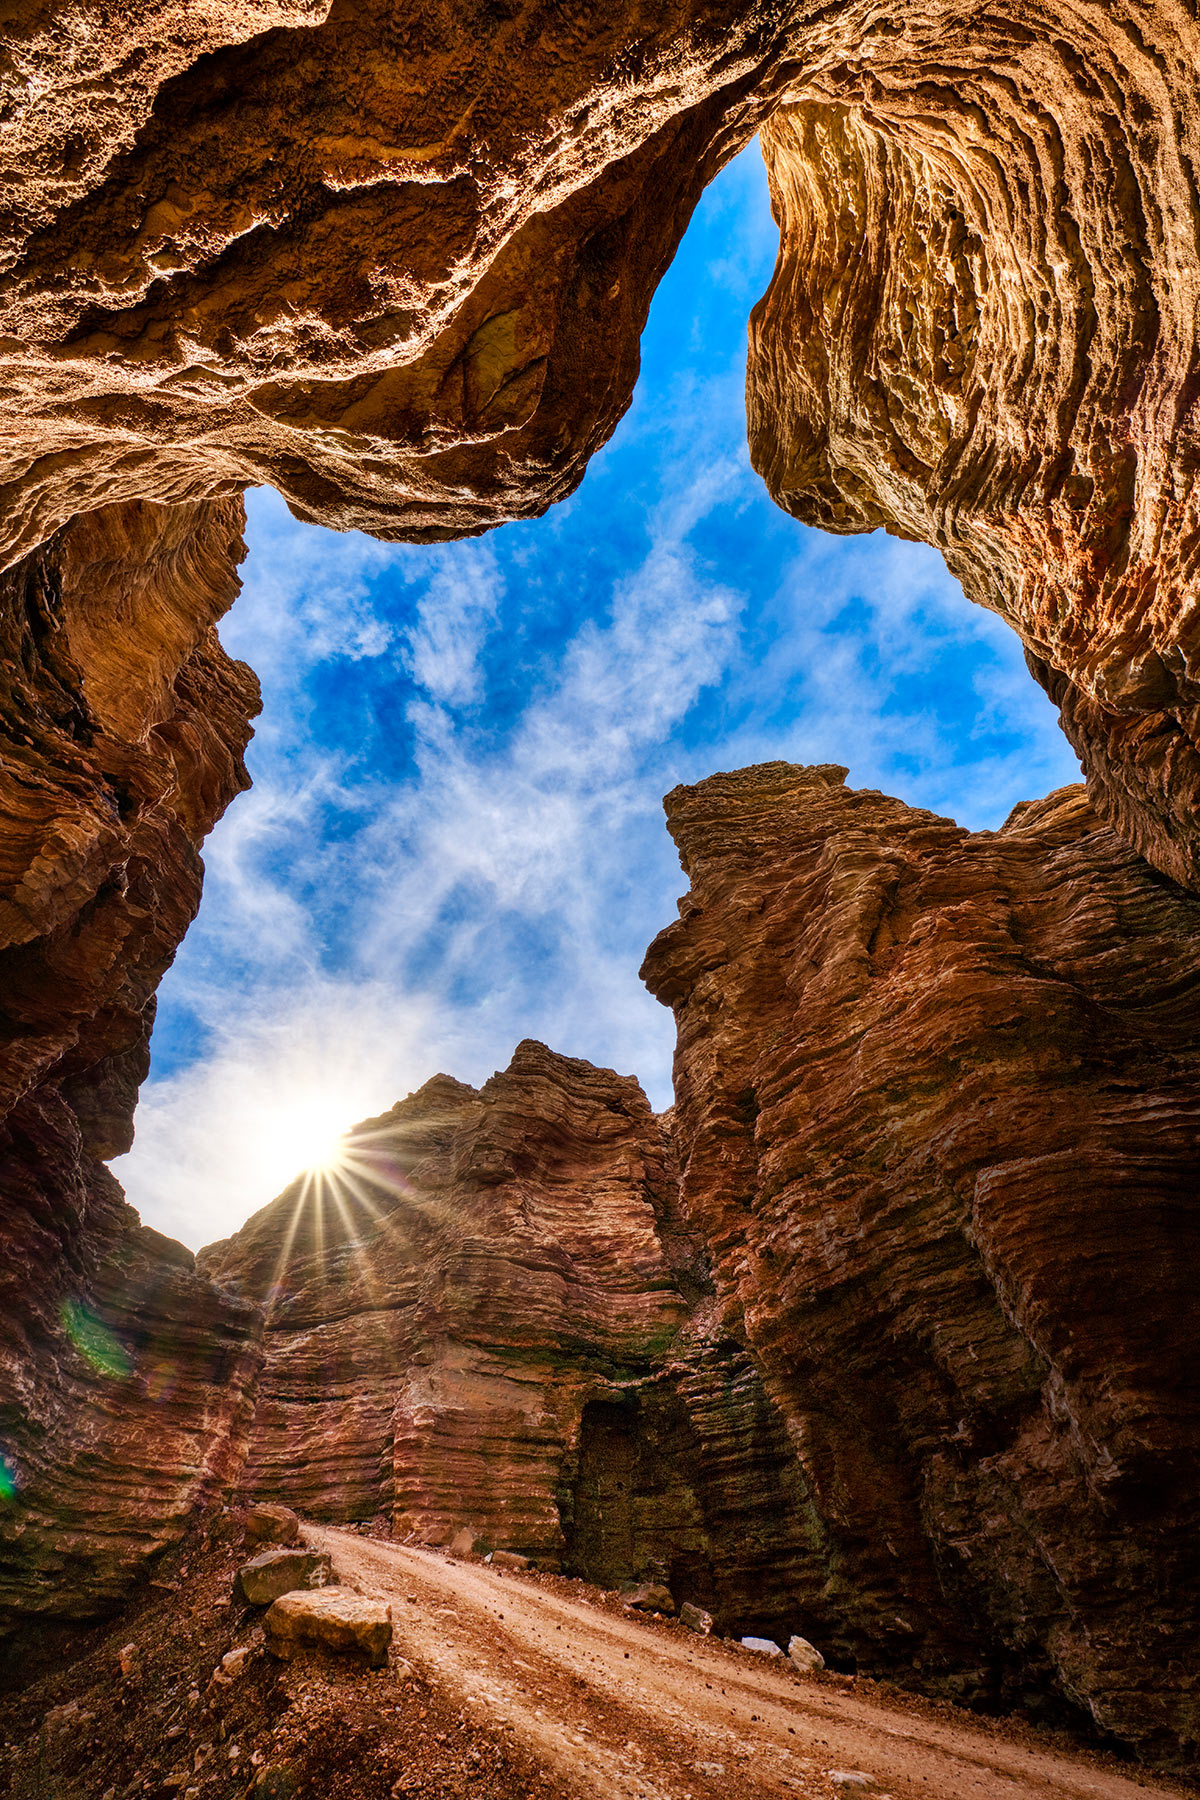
[982, 332]
[273, 1573]
[395, 261]
[937, 1109]
[122, 726]
[329, 1619]
[490, 1320]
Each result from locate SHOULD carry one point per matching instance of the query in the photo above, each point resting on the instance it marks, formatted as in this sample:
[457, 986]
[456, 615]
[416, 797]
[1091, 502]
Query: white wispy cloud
[455, 837]
[456, 610]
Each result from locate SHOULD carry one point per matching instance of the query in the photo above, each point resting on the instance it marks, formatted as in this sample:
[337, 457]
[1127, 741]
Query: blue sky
[455, 835]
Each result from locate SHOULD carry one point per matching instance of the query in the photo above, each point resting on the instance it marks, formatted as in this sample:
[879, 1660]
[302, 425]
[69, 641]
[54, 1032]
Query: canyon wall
[937, 1111]
[395, 261]
[122, 725]
[883, 1335]
[982, 332]
[486, 1319]
[936, 1118]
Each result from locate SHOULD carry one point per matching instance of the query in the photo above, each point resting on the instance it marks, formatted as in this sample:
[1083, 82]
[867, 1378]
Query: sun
[305, 1137]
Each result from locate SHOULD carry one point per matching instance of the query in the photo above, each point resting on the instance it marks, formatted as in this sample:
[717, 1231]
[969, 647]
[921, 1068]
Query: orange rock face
[490, 1323]
[982, 332]
[937, 1107]
[395, 262]
[123, 726]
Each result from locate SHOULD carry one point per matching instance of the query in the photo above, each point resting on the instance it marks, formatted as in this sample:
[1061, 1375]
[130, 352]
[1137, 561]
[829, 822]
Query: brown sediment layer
[123, 724]
[937, 1107]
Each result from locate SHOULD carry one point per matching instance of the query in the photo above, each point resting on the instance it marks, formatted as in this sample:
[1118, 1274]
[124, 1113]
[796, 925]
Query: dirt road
[627, 1710]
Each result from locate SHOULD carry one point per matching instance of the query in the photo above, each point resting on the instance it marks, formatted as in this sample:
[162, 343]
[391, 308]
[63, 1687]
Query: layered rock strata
[982, 333]
[486, 1320]
[395, 261]
[937, 1115]
[122, 726]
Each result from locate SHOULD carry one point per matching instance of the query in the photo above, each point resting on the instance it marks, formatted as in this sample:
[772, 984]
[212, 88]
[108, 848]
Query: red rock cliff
[395, 261]
[938, 1103]
[487, 1319]
[122, 725]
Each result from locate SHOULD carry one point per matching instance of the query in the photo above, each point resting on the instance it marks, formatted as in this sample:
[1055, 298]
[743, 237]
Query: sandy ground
[625, 1709]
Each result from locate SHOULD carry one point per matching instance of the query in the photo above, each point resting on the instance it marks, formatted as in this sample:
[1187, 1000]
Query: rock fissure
[883, 1335]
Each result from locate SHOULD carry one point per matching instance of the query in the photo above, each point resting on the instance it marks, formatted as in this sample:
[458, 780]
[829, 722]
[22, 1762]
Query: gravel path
[625, 1709]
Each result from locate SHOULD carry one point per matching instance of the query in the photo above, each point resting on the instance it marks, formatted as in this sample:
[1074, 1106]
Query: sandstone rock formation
[937, 1112]
[273, 1573]
[489, 1318]
[395, 261]
[982, 332]
[122, 724]
[269, 1524]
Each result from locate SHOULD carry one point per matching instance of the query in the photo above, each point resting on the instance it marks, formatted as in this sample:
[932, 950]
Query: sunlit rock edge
[421, 318]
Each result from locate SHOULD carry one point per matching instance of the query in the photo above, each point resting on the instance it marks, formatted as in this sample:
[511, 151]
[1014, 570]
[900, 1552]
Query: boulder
[329, 1619]
[764, 1646]
[696, 1619]
[509, 1559]
[806, 1656]
[650, 1596]
[275, 1572]
[269, 1524]
[463, 1542]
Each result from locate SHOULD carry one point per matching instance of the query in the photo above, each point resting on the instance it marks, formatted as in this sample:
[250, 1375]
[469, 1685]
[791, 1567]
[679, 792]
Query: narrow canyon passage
[630, 1710]
[877, 1323]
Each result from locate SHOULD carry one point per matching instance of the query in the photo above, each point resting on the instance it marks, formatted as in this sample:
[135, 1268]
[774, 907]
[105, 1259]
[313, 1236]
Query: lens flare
[347, 1206]
[8, 1478]
[95, 1342]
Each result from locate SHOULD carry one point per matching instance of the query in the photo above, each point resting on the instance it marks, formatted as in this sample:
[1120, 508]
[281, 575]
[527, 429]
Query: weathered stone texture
[982, 332]
[122, 724]
[273, 1573]
[396, 264]
[477, 1323]
[123, 1379]
[938, 1104]
[329, 1619]
[937, 1101]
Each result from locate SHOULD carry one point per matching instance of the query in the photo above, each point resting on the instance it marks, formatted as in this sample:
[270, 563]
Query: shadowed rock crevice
[921, 1283]
[122, 723]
